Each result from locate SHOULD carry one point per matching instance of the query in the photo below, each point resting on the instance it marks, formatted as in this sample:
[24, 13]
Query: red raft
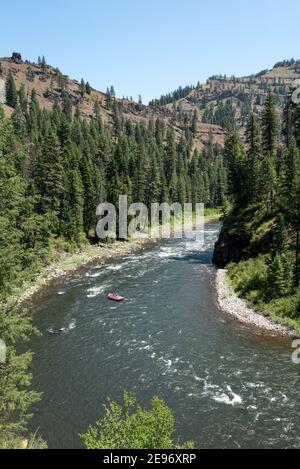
[115, 297]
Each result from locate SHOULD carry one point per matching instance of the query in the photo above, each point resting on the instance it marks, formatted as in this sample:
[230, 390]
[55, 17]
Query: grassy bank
[250, 280]
[212, 213]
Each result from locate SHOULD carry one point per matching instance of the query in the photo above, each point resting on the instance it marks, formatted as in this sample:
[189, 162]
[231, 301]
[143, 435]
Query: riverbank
[71, 263]
[239, 309]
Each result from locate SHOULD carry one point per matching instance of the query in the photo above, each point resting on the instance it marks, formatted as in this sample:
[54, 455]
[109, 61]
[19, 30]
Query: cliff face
[229, 249]
[245, 233]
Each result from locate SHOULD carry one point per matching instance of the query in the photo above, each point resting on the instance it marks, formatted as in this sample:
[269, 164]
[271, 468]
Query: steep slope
[50, 85]
[239, 94]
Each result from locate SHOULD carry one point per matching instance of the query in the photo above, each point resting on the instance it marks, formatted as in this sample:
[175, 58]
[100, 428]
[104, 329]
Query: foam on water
[94, 275]
[169, 339]
[95, 291]
[115, 267]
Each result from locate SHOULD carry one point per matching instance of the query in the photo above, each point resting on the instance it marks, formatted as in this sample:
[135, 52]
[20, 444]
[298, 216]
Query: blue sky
[150, 46]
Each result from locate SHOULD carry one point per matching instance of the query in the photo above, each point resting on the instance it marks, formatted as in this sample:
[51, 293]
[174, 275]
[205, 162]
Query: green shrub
[285, 307]
[249, 276]
[132, 427]
[255, 296]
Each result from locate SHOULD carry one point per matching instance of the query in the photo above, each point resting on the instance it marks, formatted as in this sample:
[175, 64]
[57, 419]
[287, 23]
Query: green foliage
[15, 397]
[172, 97]
[287, 307]
[270, 125]
[265, 219]
[82, 88]
[132, 427]
[280, 281]
[250, 276]
[223, 115]
[88, 88]
[11, 91]
[234, 157]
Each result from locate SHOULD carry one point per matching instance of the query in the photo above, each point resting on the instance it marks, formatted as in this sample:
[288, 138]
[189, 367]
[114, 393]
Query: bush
[248, 277]
[259, 284]
[285, 307]
[255, 296]
[131, 427]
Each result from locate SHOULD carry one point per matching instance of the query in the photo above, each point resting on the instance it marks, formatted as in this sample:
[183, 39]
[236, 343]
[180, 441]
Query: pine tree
[67, 106]
[82, 88]
[278, 279]
[234, 161]
[253, 159]
[23, 99]
[11, 91]
[89, 209]
[19, 122]
[270, 125]
[34, 116]
[268, 181]
[293, 210]
[43, 63]
[75, 229]
[88, 88]
[112, 92]
[49, 176]
[170, 158]
[194, 122]
[15, 379]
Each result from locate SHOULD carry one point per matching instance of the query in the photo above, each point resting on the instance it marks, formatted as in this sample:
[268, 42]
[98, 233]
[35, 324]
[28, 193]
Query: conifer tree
[270, 125]
[82, 88]
[293, 210]
[112, 92]
[253, 159]
[23, 99]
[49, 178]
[34, 116]
[11, 91]
[89, 210]
[67, 106]
[234, 161]
[88, 88]
[194, 122]
[43, 63]
[15, 379]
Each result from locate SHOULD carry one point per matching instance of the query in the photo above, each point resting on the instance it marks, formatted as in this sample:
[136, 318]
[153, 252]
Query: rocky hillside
[225, 99]
[221, 100]
[51, 84]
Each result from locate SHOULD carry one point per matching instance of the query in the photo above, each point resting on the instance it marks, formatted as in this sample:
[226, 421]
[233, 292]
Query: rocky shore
[238, 308]
[72, 263]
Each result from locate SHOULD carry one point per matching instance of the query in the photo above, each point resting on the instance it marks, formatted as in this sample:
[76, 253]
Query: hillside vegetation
[261, 234]
[53, 87]
[224, 100]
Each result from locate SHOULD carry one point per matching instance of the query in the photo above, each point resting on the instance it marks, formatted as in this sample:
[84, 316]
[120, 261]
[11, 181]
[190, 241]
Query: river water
[228, 386]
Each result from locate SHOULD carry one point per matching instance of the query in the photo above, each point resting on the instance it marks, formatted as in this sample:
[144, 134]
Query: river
[227, 385]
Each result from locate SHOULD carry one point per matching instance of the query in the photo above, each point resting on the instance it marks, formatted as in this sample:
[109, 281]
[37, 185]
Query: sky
[151, 47]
